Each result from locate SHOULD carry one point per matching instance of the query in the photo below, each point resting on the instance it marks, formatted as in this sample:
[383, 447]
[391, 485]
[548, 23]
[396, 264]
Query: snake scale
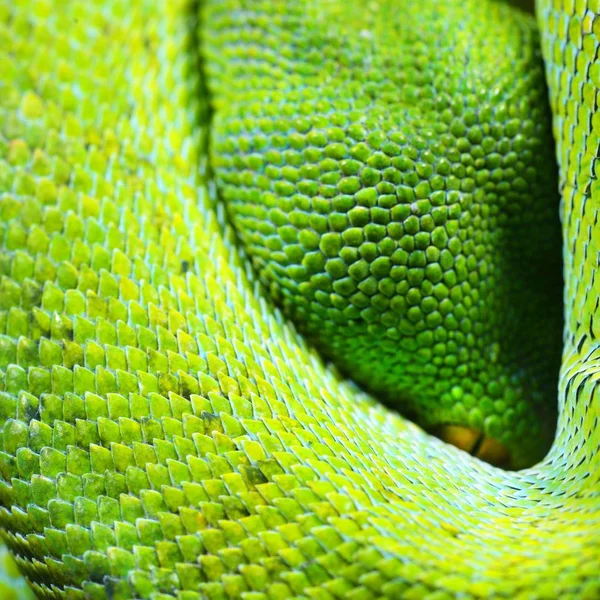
[239, 239]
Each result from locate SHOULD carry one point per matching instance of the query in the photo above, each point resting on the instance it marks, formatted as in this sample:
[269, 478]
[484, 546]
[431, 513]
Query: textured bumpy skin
[392, 180]
[166, 433]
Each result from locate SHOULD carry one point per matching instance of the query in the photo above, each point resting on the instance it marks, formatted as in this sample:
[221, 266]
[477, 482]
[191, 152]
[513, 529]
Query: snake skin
[167, 433]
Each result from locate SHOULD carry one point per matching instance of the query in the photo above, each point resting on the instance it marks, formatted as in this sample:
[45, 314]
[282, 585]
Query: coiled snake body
[387, 168]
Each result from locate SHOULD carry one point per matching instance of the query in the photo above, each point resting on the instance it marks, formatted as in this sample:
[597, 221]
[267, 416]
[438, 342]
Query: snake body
[166, 431]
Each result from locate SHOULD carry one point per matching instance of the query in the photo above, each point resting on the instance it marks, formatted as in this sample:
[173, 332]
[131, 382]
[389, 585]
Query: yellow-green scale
[166, 433]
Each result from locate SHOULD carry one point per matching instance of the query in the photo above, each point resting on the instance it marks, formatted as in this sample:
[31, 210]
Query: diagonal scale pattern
[165, 432]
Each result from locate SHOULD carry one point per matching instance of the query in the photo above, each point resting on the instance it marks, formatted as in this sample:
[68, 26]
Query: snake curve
[166, 432]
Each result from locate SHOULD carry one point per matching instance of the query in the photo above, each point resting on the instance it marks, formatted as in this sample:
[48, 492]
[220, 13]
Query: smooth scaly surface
[165, 432]
[12, 585]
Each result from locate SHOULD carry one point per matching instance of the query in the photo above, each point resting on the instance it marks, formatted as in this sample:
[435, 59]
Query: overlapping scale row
[165, 433]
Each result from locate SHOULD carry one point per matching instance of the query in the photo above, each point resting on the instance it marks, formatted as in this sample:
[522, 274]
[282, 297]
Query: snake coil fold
[167, 433]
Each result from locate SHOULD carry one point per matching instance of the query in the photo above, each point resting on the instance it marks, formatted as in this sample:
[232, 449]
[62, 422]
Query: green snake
[257, 257]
